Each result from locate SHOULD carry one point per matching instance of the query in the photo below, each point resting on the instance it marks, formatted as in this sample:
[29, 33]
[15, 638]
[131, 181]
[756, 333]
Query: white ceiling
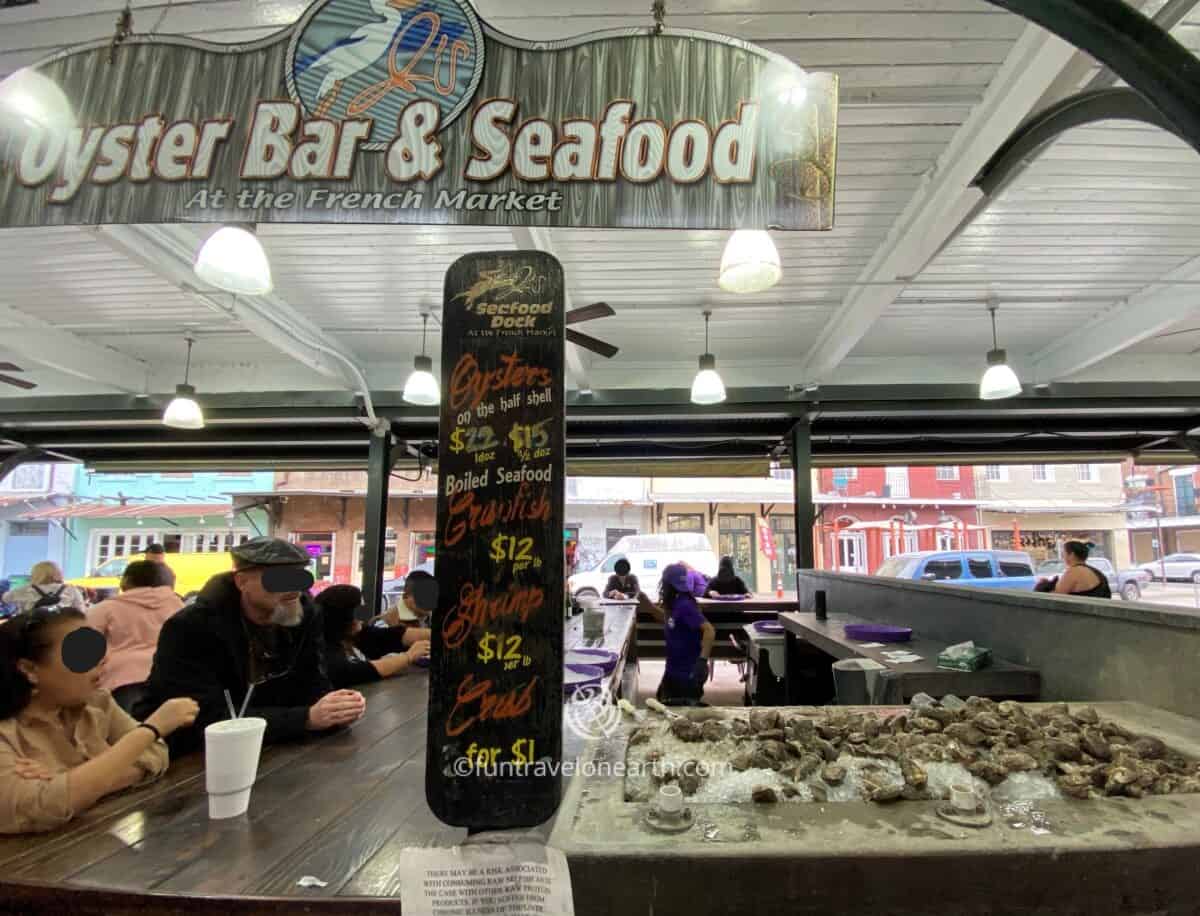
[930, 89]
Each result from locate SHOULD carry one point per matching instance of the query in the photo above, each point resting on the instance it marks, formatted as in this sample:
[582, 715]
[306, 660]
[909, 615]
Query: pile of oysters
[1086, 756]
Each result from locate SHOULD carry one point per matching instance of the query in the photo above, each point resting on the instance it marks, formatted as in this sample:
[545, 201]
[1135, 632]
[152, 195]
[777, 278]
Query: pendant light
[183, 412]
[422, 388]
[233, 259]
[707, 388]
[999, 381]
[750, 263]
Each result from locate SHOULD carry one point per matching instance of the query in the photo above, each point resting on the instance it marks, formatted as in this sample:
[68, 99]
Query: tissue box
[972, 660]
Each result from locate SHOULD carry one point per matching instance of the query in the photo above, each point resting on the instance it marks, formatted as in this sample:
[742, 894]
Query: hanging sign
[416, 111]
[496, 674]
[766, 540]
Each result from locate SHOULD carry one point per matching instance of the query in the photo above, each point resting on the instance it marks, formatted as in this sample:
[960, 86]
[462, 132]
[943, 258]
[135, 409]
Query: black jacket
[204, 650]
[347, 671]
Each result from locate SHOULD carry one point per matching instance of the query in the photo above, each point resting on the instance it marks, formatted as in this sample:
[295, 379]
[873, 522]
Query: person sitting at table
[64, 742]
[341, 608]
[622, 583]
[689, 637]
[394, 631]
[46, 589]
[255, 627]
[1080, 579]
[727, 583]
[131, 622]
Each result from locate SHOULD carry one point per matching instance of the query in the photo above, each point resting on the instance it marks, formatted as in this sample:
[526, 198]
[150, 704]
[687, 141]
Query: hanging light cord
[992, 309]
[424, 328]
[187, 366]
[659, 10]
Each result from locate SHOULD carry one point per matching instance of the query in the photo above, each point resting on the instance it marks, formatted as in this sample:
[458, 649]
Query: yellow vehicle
[192, 571]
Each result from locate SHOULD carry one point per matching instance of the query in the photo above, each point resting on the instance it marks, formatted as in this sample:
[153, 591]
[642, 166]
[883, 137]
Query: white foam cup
[962, 798]
[670, 799]
[231, 750]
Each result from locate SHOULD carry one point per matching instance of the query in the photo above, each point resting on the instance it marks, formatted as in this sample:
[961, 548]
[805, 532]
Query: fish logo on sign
[372, 58]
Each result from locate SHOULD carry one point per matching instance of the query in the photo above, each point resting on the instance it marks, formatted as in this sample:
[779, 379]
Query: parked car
[192, 571]
[1180, 567]
[977, 568]
[648, 556]
[1128, 583]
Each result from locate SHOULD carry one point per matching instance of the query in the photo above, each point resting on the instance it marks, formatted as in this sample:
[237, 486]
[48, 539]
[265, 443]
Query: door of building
[852, 552]
[612, 535]
[736, 539]
[319, 546]
[783, 527]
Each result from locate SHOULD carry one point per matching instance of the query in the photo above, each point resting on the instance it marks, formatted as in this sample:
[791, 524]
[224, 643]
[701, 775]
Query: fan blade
[608, 351]
[590, 312]
[9, 367]
[17, 382]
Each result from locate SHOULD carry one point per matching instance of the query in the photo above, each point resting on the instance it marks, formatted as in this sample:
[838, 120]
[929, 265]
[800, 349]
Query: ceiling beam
[37, 341]
[1129, 322]
[168, 251]
[579, 361]
[944, 198]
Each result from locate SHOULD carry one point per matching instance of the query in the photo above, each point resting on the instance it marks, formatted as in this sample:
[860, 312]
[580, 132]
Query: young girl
[64, 744]
[689, 636]
[344, 661]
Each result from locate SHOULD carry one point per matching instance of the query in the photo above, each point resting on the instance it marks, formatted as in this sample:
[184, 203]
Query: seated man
[622, 583]
[393, 631]
[253, 626]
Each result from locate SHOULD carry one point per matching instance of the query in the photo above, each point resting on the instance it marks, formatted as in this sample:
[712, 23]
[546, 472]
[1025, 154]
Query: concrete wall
[1086, 649]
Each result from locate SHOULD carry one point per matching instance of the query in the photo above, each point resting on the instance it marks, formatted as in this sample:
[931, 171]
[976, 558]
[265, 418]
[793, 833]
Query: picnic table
[903, 681]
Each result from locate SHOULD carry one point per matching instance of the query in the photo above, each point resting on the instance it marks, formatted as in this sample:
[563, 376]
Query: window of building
[1088, 473]
[845, 474]
[783, 528]
[1043, 473]
[1185, 495]
[389, 555]
[28, 529]
[995, 472]
[213, 541]
[27, 478]
[686, 522]
[319, 546]
[947, 472]
[945, 540]
[897, 483]
[852, 552]
[778, 473]
[423, 548]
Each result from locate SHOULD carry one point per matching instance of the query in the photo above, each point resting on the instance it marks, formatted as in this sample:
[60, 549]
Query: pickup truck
[1128, 583]
[976, 568]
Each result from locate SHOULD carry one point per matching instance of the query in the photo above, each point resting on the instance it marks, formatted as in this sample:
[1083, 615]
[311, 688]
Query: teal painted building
[115, 515]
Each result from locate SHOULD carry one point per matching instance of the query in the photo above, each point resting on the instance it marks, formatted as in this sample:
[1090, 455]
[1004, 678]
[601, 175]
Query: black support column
[379, 471]
[800, 446]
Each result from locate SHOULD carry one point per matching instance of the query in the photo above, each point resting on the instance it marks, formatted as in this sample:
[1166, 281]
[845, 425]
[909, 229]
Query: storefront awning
[141, 510]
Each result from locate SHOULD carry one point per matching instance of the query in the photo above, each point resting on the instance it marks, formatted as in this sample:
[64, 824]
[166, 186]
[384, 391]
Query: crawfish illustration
[502, 281]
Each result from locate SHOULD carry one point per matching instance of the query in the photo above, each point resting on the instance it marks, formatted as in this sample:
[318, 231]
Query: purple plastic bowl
[875, 632]
[728, 598]
[602, 658]
[577, 677]
[768, 626]
[422, 662]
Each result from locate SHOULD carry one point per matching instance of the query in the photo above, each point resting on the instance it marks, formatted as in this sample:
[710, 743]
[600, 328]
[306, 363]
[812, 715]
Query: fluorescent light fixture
[183, 412]
[422, 388]
[233, 259]
[750, 263]
[999, 381]
[707, 387]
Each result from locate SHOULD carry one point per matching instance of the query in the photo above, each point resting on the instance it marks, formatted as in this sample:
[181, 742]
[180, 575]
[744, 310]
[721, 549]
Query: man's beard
[288, 614]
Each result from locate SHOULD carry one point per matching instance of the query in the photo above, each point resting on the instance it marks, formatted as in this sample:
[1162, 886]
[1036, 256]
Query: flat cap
[269, 552]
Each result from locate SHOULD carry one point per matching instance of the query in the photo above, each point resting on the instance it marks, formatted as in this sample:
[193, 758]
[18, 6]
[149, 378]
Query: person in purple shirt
[689, 636]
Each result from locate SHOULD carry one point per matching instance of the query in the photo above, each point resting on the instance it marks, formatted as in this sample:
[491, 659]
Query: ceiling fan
[590, 313]
[15, 382]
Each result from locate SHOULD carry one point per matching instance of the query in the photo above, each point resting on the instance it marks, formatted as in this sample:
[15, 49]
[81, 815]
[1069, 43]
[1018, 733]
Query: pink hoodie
[131, 622]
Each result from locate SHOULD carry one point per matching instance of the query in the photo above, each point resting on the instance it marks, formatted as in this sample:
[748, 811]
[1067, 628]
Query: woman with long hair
[64, 743]
[689, 637]
[344, 661]
[727, 583]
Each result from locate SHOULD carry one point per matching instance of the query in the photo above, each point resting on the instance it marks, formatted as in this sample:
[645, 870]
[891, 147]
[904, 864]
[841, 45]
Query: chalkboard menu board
[495, 695]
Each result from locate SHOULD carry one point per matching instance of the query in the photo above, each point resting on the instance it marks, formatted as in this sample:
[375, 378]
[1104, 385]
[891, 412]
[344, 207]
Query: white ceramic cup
[231, 750]
[962, 798]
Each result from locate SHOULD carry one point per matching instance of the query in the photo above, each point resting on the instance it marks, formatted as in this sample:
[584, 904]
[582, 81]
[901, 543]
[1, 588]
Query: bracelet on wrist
[157, 734]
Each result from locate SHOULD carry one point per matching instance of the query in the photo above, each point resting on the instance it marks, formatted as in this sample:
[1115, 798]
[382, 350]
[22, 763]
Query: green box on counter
[977, 658]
